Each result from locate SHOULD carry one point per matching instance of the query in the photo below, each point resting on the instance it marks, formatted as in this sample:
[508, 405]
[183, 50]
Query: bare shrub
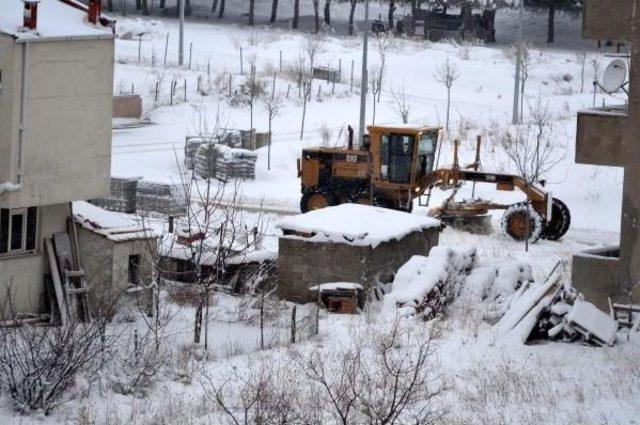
[402, 104]
[39, 366]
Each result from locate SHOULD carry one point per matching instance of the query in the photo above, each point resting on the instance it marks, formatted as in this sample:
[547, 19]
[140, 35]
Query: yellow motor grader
[396, 165]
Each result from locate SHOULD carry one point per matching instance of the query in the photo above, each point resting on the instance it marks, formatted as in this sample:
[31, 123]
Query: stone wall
[302, 263]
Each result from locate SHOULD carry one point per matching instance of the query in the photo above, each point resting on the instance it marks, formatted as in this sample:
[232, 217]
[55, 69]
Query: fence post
[133, 89]
[288, 90]
[273, 86]
[339, 70]
[185, 89]
[230, 83]
[333, 85]
[319, 92]
[171, 93]
[139, 47]
[317, 329]
[293, 324]
[241, 63]
[208, 68]
[280, 60]
[351, 84]
[190, 53]
[157, 90]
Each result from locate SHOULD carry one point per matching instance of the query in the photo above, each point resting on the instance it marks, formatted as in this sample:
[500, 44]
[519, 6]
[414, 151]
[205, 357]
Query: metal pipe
[363, 83]
[23, 109]
[516, 92]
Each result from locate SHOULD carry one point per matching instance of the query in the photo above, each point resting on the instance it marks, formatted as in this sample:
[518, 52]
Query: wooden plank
[57, 284]
[64, 255]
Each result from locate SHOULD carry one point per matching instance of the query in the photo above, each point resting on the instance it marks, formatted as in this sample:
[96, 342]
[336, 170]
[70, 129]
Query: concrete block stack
[122, 196]
[162, 198]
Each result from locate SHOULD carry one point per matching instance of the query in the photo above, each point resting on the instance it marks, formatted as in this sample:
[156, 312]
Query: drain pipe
[23, 108]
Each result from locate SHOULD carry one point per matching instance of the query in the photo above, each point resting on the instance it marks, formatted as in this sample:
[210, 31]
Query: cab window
[426, 152]
[396, 151]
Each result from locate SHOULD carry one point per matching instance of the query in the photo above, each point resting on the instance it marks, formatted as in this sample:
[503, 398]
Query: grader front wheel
[518, 220]
[559, 223]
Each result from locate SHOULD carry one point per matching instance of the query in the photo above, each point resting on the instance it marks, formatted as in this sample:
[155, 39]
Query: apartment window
[18, 230]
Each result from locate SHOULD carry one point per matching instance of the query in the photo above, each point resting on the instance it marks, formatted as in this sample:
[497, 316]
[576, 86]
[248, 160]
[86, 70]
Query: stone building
[609, 137]
[117, 254]
[348, 243]
[56, 88]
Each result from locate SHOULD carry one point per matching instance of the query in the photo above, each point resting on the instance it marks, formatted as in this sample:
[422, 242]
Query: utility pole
[516, 91]
[181, 41]
[363, 83]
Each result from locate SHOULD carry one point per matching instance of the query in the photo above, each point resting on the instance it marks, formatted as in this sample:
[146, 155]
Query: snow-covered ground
[487, 382]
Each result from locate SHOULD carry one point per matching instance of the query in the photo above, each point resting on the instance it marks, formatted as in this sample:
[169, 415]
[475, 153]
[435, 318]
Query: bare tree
[213, 227]
[221, 10]
[252, 8]
[384, 41]
[274, 10]
[374, 81]
[392, 9]
[272, 105]
[316, 16]
[533, 149]
[296, 14]
[352, 14]
[313, 46]
[525, 68]
[306, 93]
[327, 12]
[447, 74]
[403, 105]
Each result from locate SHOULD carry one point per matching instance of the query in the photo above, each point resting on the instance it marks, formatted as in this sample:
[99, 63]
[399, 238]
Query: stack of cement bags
[191, 148]
[205, 160]
[236, 164]
[162, 198]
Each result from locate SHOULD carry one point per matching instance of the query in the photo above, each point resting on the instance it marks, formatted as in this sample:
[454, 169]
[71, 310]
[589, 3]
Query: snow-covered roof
[118, 227]
[356, 224]
[257, 256]
[56, 19]
[337, 286]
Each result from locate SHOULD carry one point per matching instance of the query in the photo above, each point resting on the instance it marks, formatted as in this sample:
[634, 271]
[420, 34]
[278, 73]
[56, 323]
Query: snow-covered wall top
[356, 224]
[55, 19]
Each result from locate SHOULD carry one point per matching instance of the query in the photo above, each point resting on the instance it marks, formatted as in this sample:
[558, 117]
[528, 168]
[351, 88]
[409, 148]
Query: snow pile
[424, 285]
[7, 187]
[132, 28]
[356, 224]
[55, 19]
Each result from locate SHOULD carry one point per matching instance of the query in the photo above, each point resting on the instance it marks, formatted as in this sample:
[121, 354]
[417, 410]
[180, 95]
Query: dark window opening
[18, 230]
[134, 269]
[400, 158]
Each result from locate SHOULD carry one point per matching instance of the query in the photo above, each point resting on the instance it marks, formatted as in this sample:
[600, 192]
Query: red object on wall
[30, 14]
[95, 9]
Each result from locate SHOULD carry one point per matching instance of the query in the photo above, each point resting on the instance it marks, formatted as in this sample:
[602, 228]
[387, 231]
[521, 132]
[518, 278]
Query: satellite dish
[615, 76]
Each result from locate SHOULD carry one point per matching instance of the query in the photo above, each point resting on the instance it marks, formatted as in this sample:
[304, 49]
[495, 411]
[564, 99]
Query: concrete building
[56, 87]
[609, 136]
[118, 253]
[348, 243]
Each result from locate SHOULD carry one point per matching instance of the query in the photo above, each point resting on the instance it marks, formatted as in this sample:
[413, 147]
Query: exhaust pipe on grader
[397, 164]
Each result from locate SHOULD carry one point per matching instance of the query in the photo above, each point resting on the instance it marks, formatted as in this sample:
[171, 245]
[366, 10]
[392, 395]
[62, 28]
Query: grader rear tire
[316, 200]
[514, 223]
[560, 221]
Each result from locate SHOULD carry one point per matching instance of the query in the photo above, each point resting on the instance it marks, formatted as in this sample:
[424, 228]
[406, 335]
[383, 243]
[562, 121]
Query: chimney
[95, 9]
[30, 14]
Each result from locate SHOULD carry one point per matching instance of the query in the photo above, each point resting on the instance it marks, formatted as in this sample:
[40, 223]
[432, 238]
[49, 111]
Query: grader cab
[396, 165]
